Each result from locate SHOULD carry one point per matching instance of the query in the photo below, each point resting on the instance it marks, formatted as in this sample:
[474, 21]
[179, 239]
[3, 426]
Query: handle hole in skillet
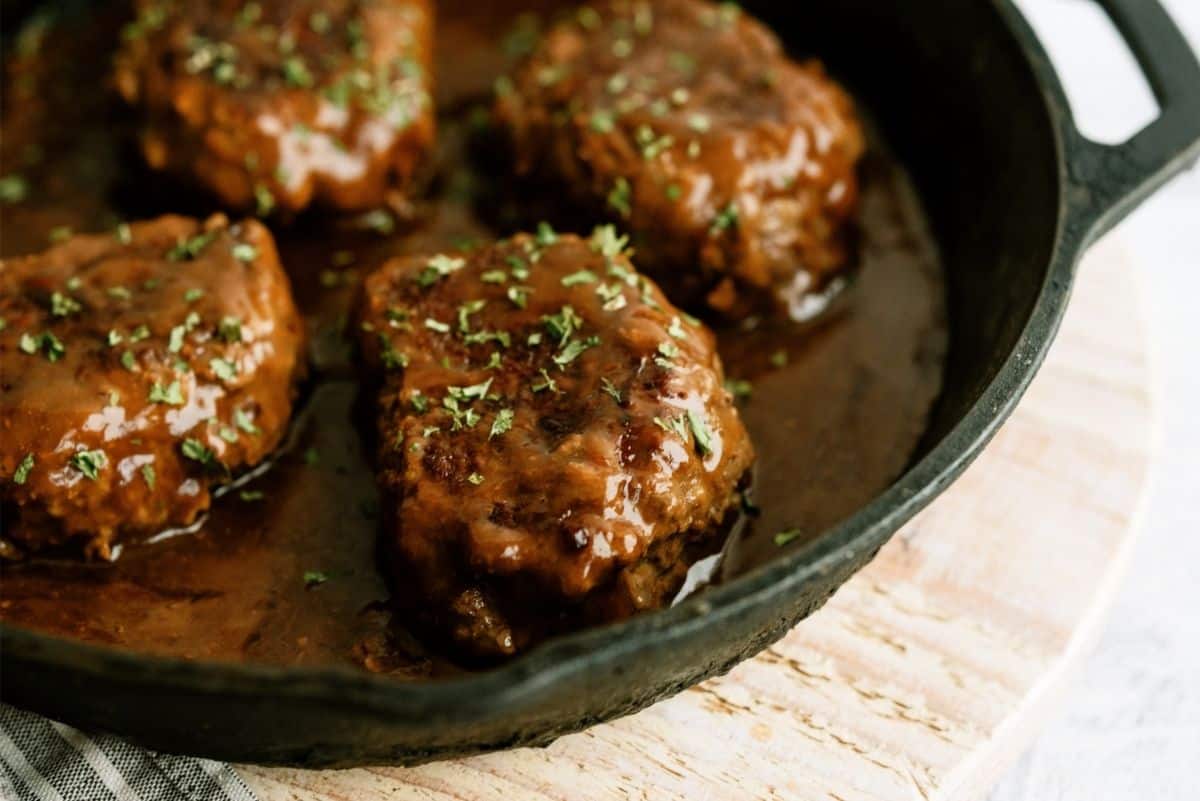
[1108, 93]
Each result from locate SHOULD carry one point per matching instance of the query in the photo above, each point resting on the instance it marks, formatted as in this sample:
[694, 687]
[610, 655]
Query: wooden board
[931, 669]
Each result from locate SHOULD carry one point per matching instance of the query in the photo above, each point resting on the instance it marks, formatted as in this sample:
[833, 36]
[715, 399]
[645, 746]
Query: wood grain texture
[930, 670]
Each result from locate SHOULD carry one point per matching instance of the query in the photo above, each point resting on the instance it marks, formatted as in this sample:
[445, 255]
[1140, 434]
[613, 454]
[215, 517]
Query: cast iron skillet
[970, 103]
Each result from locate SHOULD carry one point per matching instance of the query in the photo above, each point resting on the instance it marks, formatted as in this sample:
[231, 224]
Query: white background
[1130, 727]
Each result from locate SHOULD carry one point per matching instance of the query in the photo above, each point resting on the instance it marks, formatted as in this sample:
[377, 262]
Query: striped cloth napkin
[41, 760]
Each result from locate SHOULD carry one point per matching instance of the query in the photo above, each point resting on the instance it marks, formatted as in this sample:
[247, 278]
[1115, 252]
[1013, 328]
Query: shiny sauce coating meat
[554, 436]
[279, 104]
[138, 369]
[732, 165]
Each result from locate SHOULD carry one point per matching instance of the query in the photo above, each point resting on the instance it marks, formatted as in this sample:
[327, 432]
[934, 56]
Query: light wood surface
[931, 669]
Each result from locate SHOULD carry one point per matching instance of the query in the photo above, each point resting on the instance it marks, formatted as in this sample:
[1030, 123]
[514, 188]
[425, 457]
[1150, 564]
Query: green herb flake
[190, 248]
[60, 233]
[610, 389]
[573, 350]
[21, 474]
[245, 422]
[245, 252]
[128, 361]
[475, 478]
[314, 578]
[439, 267]
[230, 330]
[312, 457]
[546, 235]
[779, 358]
[787, 535]
[544, 383]
[250, 496]
[437, 325]
[502, 424]
[123, 233]
[193, 295]
[139, 333]
[172, 394]
[13, 189]
[700, 433]
[620, 197]
[114, 338]
[148, 475]
[223, 369]
[90, 463]
[726, 218]
[580, 277]
[197, 451]
[64, 305]
[494, 277]
[740, 389]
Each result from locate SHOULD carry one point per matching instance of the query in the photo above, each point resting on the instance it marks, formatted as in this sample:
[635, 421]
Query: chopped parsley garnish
[314, 578]
[245, 422]
[46, 342]
[610, 388]
[230, 330]
[249, 496]
[580, 277]
[700, 123]
[544, 383]
[172, 394]
[546, 234]
[700, 433]
[676, 329]
[223, 368]
[620, 197]
[726, 218]
[21, 474]
[518, 296]
[787, 535]
[573, 349]
[128, 361]
[114, 338]
[603, 121]
[739, 388]
[475, 478]
[13, 189]
[149, 476]
[562, 325]
[296, 72]
[64, 305]
[607, 242]
[437, 325]
[438, 267]
[779, 358]
[494, 277]
[90, 463]
[228, 434]
[312, 456]
[197, 451]
[502, 423]
[60, 233]
[139, 333]
[124, 233]
[193, 295]
[264, 201]
[186, 249]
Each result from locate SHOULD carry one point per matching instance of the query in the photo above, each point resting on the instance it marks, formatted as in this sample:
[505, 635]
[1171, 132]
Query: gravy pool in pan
[284, 568]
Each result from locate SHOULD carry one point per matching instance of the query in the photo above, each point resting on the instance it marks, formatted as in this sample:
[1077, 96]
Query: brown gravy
[837, 407]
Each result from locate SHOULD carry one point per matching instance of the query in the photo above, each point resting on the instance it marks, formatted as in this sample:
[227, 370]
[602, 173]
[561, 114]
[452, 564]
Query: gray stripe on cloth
[44, 761]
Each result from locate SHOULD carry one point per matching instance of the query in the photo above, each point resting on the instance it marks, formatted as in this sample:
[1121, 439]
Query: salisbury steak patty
[137, 369]
[733, 166]
[281, 103]
[555, 438]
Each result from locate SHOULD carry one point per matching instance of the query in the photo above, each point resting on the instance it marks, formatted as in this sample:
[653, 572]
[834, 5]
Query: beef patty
[732, 165]
[138, 369]
[283, 103]
[555, 441]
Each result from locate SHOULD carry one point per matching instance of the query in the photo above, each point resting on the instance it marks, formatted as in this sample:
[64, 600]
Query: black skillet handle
[1109, 181]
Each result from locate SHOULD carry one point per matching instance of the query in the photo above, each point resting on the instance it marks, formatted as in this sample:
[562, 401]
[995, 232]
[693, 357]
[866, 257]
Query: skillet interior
[990, 177]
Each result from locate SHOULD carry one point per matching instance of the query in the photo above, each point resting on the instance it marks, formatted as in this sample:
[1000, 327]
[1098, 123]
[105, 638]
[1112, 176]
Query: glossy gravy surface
[283, 569]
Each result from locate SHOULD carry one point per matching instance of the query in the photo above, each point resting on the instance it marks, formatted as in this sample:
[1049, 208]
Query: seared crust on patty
[555, 437]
